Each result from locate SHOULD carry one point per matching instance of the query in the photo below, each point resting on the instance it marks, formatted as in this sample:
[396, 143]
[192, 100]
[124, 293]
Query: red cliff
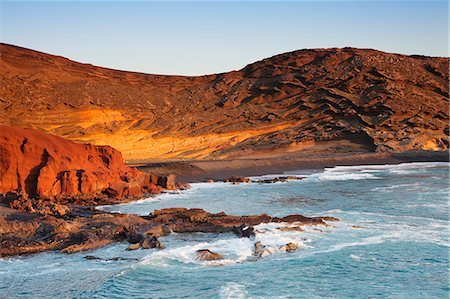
[35, 164]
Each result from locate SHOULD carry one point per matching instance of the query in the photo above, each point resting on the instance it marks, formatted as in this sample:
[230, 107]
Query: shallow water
[392, 242]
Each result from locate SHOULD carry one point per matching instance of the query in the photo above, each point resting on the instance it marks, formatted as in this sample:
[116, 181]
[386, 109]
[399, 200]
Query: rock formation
[182, 220]
[82, 229]
[34, 164]
[207, 255]
[306, 101]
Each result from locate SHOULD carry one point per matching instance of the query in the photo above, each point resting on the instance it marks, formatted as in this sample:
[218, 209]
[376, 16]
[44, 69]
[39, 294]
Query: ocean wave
[393, 187]
[363, 172]
[235, 250]
[392, 228]
[355, 257]
[431, 221]
[342, 176]
[408, 165]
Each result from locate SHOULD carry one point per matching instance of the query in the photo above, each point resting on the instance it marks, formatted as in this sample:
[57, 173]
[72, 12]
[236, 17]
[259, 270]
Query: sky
[197, 38]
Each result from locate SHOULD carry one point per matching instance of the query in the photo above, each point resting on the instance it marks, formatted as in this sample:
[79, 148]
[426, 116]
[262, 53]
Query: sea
[392, 241]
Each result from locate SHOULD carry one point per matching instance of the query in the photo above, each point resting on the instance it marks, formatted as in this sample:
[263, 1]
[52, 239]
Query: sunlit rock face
[309, 101]
[35, 164]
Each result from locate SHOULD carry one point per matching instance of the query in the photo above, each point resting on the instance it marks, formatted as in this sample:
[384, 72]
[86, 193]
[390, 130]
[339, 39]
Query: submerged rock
[91, 257]
[244, 231]
[207, 255]
[289, 247]
[278, 179]
[291, 228]
[153, 242]
[259, 250]
[305, 220]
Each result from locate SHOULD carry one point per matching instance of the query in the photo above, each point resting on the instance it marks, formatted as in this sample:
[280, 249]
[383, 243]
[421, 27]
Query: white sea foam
[116, 207]
[213, 185]
[342, 176]
[362, 172]
[398, 186]
[355, 257]
[235, 250]
[233, 290]
[382, 215]
[409, 165]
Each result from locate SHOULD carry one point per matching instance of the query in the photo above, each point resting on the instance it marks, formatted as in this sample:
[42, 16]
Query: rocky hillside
[307, 101]
[37, 165]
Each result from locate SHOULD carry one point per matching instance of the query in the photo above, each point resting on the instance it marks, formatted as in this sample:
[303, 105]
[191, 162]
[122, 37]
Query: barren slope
[313, 101]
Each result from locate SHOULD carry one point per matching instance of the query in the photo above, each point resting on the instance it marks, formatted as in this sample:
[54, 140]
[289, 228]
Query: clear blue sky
[194, 38]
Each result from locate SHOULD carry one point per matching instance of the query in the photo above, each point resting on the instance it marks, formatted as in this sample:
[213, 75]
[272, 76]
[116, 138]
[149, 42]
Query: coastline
[203, 170]
[71, 233]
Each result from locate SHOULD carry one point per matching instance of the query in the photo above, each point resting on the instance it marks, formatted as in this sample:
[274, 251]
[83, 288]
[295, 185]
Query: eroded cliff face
[34, 164]
[308, 101]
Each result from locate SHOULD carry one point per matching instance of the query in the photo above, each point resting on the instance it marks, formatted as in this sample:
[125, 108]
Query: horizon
[175, 39]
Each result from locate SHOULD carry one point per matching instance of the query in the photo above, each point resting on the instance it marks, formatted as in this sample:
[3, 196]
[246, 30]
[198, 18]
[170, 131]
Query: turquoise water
[392, 242]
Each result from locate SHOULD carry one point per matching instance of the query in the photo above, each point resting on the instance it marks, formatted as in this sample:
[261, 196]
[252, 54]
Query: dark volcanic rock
[237, 179]
[244, 231]
[95, 258]
[151, 242]
[81, 230]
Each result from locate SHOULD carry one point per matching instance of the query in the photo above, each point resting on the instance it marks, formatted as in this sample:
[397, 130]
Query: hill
[307, 101]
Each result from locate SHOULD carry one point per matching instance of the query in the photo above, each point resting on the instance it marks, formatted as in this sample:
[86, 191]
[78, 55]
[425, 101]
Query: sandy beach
[200, 171]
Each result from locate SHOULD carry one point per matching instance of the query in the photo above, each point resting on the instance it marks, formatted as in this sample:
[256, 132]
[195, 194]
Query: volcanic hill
[308, 101]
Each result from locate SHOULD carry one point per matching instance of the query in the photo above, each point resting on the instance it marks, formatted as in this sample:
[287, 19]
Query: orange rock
[34, 164]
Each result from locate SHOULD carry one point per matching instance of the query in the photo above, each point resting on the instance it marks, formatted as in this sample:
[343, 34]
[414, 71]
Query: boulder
[289, 247]
[182, 186]
[134, 246]
[244, 231]
[260, 250]
[134, 237]
[301, 219]
[151, 242]
[237, 179]
[158, 231]
[207, 255]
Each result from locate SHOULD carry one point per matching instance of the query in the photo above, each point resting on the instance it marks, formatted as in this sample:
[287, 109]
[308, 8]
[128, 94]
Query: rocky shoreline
[83, 228]
[49, 188]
